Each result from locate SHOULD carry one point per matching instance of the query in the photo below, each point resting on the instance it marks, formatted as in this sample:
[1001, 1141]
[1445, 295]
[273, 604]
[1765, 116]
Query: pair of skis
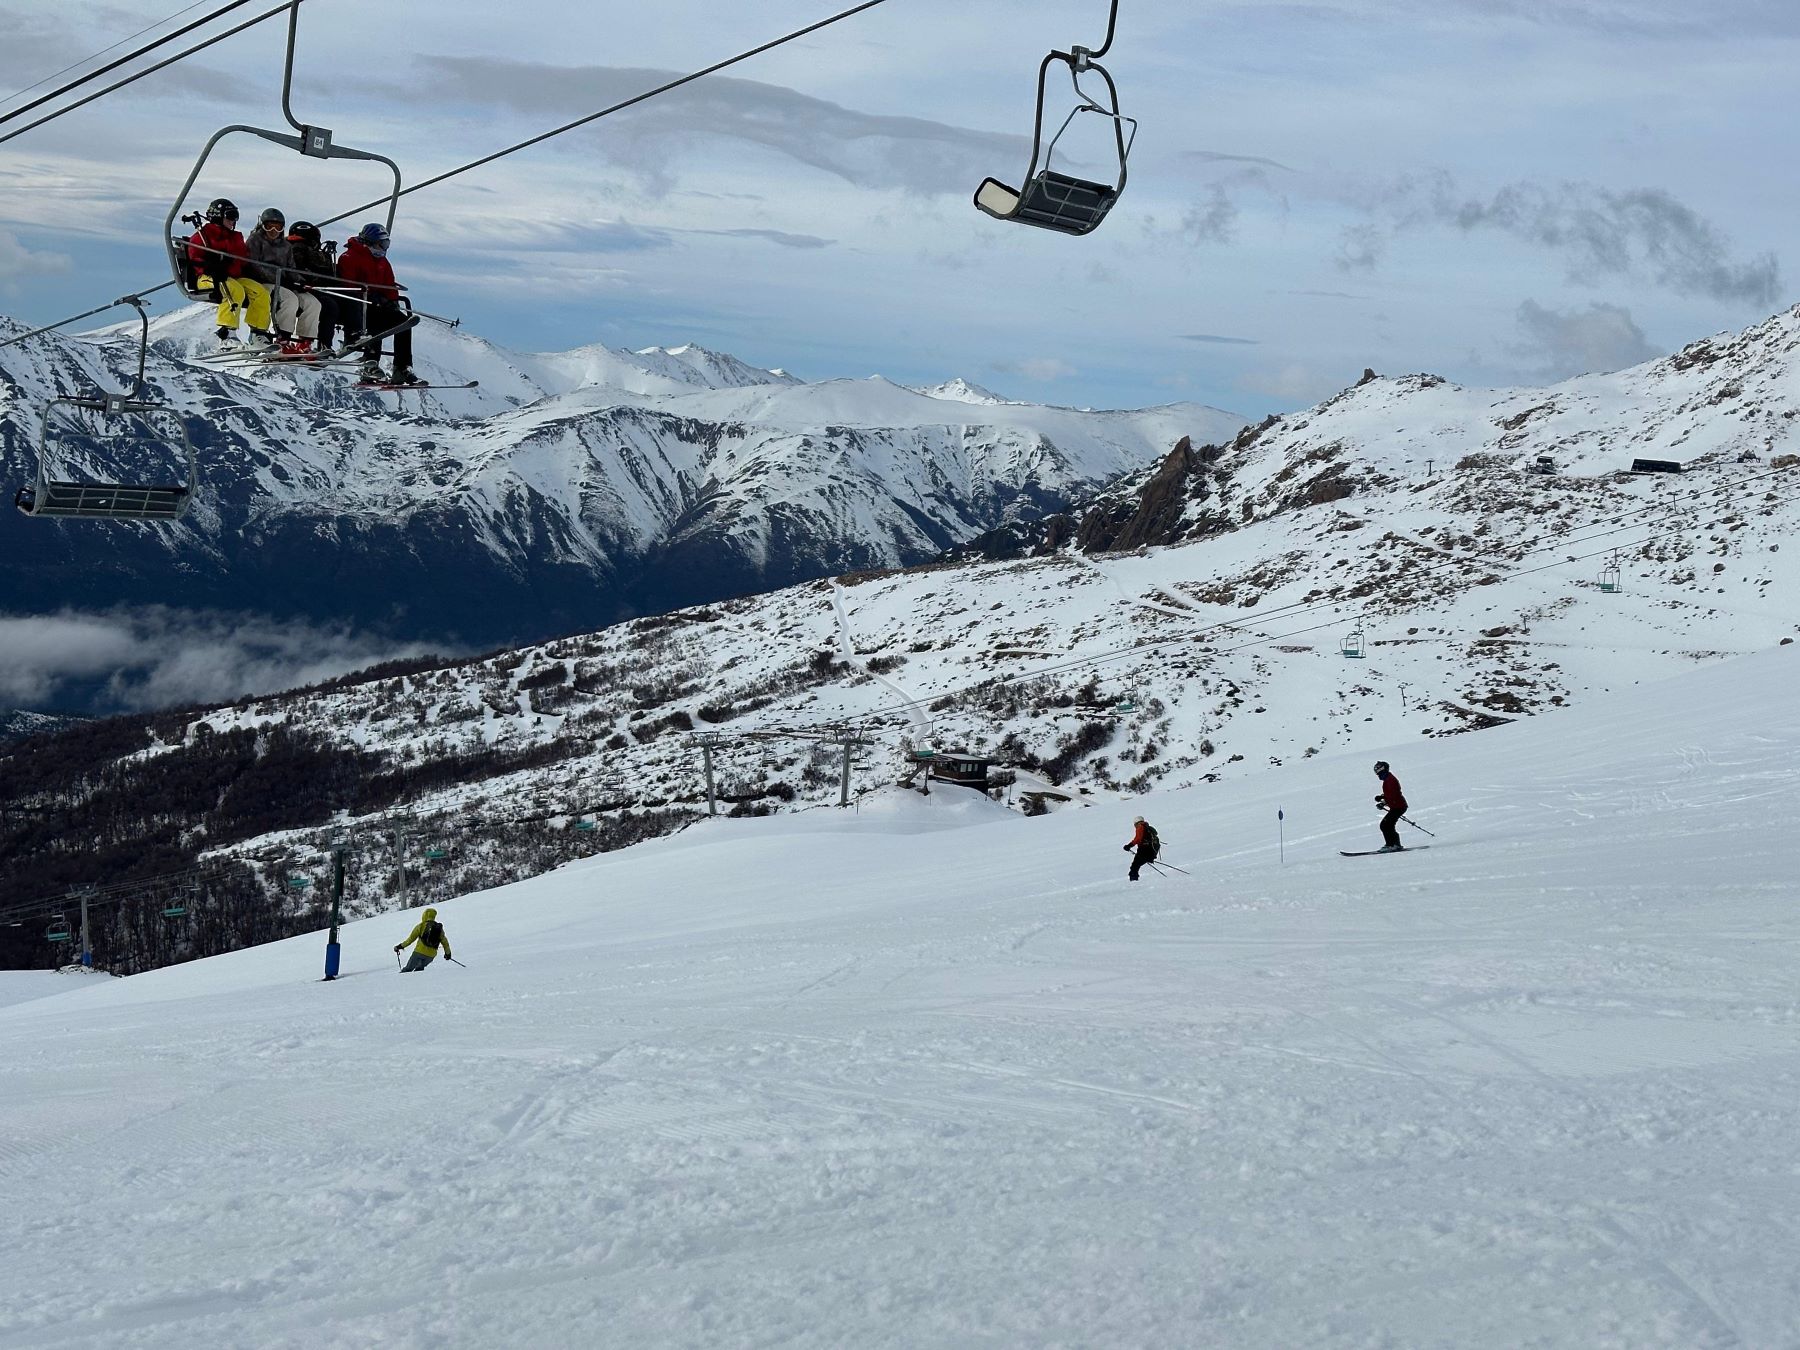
[259, 358]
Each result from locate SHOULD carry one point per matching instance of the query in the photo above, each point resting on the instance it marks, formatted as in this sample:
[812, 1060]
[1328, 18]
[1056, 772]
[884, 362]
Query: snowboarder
[1393, 802]
[1146, 843]
[272, 263]
[427, 937]
[365, 266]
[219, 254]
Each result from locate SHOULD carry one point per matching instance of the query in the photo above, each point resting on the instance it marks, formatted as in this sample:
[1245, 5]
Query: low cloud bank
[141, 660]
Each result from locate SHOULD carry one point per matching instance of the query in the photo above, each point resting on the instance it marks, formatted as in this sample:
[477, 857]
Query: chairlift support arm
[312, 141]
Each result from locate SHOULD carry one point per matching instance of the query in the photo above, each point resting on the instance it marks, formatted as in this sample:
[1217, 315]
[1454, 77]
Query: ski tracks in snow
[915, 709]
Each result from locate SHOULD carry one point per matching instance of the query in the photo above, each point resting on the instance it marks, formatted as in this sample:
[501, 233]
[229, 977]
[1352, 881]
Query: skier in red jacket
[1146, 844]
[1393, 801]
[218, 253]
[364, 264]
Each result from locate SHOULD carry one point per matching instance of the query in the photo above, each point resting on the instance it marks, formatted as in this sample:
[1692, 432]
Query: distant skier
[427, 937]
[1393, 802]
[1144, 840]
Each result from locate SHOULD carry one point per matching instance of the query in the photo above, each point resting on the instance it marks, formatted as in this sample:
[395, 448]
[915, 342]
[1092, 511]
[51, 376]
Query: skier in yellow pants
[426, 938]
[218, 253]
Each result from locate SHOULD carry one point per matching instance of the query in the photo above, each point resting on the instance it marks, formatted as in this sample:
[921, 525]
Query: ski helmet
[221, 209]
[271, 216]
[305, 232]
[1140, 821]
[1381, 766]
[374, 235]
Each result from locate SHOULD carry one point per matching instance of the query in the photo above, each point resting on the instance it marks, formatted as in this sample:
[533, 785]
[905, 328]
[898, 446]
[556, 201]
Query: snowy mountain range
[1390, 565]
[566, 491]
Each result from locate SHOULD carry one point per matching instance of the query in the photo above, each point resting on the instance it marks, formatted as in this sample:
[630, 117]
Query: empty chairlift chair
[86, 446]
[1051, 199]
[1353, 644]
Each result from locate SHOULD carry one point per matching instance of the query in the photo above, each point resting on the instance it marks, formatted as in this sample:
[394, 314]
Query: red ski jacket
[361, 267]
[1391, 794]
[218, 250]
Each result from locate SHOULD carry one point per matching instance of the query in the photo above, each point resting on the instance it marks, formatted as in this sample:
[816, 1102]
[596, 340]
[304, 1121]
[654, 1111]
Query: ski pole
[1281, 834]
[453, 961]
[1173, 868]
[1420, 828]
[398, 963]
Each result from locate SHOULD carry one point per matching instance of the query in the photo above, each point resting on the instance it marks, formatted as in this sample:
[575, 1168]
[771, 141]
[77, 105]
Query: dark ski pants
[328, 318]
[419, 961]
[1141, 859]
[1390, 827]
[377, 317]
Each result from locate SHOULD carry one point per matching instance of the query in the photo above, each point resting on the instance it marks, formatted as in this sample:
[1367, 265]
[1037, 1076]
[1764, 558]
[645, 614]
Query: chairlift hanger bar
[312, 141]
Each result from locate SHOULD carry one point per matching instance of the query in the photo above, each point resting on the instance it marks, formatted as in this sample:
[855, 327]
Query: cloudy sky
[1500, 191]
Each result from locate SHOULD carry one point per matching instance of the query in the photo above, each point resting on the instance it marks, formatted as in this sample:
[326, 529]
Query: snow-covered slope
[1727, 398]
[930, 1074]
[564, 491]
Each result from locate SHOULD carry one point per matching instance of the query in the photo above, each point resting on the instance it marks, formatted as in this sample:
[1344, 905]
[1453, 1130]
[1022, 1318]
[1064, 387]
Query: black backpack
[433, 934]
[1152, 841]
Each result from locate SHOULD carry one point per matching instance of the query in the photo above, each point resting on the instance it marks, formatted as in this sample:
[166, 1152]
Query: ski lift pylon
[315, 142]
[1049, 199]
[117, 427]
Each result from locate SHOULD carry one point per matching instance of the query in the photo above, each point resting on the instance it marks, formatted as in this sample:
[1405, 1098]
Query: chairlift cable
[111, 66]
[619, 107]
[151, 70]
[486, 159]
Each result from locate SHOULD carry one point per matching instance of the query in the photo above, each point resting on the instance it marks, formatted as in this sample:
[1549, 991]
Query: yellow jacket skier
[427, 938]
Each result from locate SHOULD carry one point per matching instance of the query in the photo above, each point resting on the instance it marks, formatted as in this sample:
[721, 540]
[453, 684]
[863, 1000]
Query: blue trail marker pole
[1281, 834]
[332, 951]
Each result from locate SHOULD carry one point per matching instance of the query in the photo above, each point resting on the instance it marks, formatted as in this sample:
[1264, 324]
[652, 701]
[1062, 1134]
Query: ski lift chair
[1353, 645]
[58, 931]
[1609, 579]
[1051, 199]
[112, 428]
[313, 142]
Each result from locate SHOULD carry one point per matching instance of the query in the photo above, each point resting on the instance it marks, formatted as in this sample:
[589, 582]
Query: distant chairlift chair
[1058, 201]
[1353, 645]
[113, 428]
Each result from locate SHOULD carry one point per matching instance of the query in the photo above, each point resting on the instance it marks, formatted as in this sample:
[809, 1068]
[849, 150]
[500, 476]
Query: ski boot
[369, 373]
[406, 375]
[261, 339]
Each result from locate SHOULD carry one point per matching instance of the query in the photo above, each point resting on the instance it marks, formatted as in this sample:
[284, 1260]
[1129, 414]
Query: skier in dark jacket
[426, 938]
[1144, 840]
[1393, 802]
[315, 271]
[365, 268]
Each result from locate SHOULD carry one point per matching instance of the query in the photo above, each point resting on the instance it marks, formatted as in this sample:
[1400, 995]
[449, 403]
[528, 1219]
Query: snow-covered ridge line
[564, 491]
